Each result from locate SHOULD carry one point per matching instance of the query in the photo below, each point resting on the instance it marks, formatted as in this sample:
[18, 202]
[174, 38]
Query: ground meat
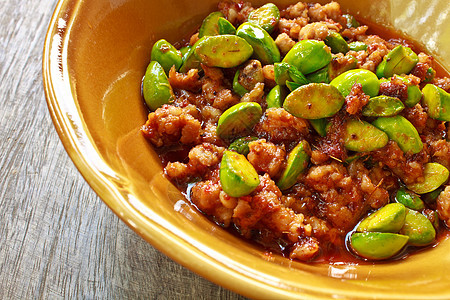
[201, 159]
[209, 135]
[263, 209]
[440, 152]
[318, 157]
[317, 30]
[355, 34]
[284, 43]
[376, 50]
[375, 196]
[225, 99]
[210, 114]
[251, 74]
[255, 95]
[443, 83]
[328, 11]
[169, 125]
[394, 88]
[443, 206]
[206, 195]
[266, 157]
[333, 143]
[421, 68]
[341, 200]
[278, 125]
[417, 116]
[235, 11]
[189, 81]
[269, 76]
[356, 100]
[193, 39]
[298, 10]
[305, 249]
[410, 170]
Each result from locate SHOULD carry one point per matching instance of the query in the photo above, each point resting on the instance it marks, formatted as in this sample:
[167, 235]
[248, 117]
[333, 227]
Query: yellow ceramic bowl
[95, 55]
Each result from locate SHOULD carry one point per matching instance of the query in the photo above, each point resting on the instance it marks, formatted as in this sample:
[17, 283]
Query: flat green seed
[276, 96]
[351, 21]
[389, 218]
[281, 73]
[225, 27]
[223, 51]
[336, 42]
[400, 130]
[308, 56]
[435, 175]
[361, 136]
[237, 87]
[320, 126]
[297, 162]
[409, 199]
[400, 60]
[292, 85]
[377, 245]
[383, 106]
[267, 16]
[184, 50]
[264, 47]
[156, 88]
[418, 228]
[414, 93]
[438, 102]
[368, 80]
[210, 25]
[430, 198]
[241, 145]
[190, 61]
[314, 101]
[167, 55]
[297, 76]
[357, 46]
[238, 119]
[237, 176]
[320, 76]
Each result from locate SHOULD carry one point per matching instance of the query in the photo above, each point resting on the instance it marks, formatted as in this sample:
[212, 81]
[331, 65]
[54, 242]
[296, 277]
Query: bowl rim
[61, 101]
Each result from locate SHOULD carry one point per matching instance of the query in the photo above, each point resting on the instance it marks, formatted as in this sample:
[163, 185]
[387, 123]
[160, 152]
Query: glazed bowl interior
[96, 53]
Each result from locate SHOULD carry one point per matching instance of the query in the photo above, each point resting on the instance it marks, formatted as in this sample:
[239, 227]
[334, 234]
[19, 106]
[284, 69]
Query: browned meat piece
[409, 169]
[443, 83]
[269, 76]
[255, 95]
[443, 206]
[356, 100]
[417, 116]
[202, 158]
[209, 198]
[305, 249]
[421, 68]
[318, 30]
[263, 209]
[325, 12]
[376, 50]
[209, 135]
[318, 157]
[169, 125]
[333, 143]
[298, 10]
[189, 81]
[280, 126]
[225, 99]
[394, 88]
[355, 34]
[341, 200]
[440, 152]
[284, 43]
[235, 11]
[266, 157]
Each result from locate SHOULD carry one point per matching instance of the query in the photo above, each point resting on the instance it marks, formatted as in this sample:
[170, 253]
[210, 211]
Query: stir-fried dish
[300, 130]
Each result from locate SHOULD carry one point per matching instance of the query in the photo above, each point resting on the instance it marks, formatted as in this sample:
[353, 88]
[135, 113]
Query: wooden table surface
[57, 238]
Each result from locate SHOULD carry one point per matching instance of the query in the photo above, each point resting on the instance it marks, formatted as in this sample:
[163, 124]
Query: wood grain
[57, 238]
